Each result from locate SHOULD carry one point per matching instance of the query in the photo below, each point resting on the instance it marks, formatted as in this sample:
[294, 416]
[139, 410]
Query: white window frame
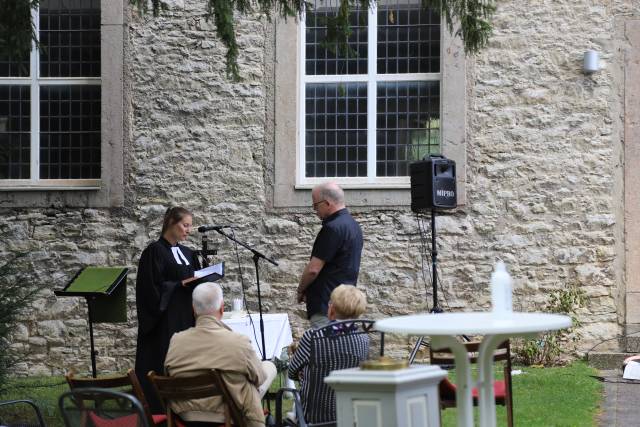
[35, 81]
[371, 78]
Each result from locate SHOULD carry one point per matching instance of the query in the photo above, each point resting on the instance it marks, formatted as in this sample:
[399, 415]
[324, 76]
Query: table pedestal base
[464, 397]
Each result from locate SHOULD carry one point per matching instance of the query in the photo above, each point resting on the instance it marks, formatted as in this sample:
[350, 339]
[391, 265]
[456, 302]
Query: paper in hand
[212, 269]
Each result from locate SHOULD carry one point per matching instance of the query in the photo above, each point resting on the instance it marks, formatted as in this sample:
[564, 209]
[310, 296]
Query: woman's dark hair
[174, 215]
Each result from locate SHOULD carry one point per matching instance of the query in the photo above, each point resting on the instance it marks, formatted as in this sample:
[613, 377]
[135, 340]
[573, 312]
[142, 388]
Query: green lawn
[545, 397]
[549, 397]
[44, 391]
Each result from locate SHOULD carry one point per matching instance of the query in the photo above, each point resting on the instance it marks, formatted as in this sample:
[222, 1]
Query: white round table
[496, 327]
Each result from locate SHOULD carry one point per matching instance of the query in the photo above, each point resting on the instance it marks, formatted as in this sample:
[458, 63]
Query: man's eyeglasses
[316, 204]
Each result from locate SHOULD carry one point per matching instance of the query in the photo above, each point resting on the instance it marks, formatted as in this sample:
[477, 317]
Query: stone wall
[543, 181]
[545, 154]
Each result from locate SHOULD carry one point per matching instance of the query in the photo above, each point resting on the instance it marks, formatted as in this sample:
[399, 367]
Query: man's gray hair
[331, 191]
[206, 298]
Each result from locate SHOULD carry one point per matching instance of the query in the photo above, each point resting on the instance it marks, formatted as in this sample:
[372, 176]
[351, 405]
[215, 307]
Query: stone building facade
[545, 156]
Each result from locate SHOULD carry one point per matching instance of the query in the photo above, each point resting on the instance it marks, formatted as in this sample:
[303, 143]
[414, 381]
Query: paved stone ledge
[607, 360]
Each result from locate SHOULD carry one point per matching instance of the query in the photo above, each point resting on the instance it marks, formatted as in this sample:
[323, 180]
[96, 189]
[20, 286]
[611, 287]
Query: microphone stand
[205, 252]
[257, 255]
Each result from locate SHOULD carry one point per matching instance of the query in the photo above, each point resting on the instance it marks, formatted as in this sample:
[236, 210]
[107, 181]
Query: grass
[549, 397]
[44, 391]
[546, 397]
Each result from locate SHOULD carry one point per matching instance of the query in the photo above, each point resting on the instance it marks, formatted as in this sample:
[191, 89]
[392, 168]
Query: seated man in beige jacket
[213, 345]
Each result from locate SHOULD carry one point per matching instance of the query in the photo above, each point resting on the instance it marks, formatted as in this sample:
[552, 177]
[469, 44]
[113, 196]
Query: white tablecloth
[277, 331]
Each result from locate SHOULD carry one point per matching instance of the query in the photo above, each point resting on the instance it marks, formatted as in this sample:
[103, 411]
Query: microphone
[209, 227]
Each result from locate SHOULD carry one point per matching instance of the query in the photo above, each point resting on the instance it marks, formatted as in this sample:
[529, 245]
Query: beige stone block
[633, 307]
[112, 12]
[453, 108]
[113, 113]
[632, 157]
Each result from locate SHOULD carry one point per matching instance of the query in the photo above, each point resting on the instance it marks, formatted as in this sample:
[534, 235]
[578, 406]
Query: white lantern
[591, 62]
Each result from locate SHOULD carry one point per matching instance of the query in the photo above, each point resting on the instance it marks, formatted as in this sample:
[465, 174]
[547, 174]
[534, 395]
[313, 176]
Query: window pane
[408, 38]
[14, 67]
[15, 12]
[15, 126]
[70, 38]
[69, 132]
[336, 130]
[408, 125]
[324, 59]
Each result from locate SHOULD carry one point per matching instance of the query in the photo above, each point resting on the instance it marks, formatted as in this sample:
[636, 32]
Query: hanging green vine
[223, 18]
[17, 30]
[473, 17]
[221, 11]
[470, 17]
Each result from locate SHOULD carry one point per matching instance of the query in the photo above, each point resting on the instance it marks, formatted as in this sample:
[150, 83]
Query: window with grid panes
[369, 111]
[50, 101]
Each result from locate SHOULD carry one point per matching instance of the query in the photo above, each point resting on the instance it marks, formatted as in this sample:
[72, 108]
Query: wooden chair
[208, 384]
[501, 388]
[125, 383]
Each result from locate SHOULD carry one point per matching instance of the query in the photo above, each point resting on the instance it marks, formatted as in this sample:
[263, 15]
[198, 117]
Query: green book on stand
[105, 287]
[105, 290]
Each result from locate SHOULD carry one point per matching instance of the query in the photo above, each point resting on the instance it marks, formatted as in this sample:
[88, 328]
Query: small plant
[547, 349]
[17, 292]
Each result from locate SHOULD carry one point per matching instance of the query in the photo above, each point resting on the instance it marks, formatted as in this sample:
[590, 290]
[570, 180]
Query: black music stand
[106, 299]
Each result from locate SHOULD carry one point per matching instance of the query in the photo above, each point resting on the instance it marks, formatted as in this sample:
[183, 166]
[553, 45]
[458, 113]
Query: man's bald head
[332, 192]
[327, 198]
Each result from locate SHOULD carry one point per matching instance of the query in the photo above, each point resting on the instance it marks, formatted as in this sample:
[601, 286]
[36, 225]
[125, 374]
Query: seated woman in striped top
[316, 355]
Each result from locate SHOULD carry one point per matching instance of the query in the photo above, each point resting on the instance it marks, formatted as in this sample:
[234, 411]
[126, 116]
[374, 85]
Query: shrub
[548, 348]
[17, 292]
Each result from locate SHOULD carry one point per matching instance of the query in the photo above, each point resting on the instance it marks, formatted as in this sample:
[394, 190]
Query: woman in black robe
[163, 296]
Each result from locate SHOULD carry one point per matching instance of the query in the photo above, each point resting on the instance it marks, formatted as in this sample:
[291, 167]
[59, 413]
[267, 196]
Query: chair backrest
[24, 413]
[445, 356]
[124, 383]
[340, 345]
[97, 407]
[207, 384]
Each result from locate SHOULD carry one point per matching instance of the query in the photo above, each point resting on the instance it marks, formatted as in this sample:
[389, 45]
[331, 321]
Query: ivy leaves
[17, 30]
[471, 16]
[222, 14]
[468, 19]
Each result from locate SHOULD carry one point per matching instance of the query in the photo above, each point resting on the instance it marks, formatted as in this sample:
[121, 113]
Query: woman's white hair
[206, 298]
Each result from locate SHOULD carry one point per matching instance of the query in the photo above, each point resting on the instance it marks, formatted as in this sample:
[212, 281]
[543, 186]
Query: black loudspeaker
[433, 184]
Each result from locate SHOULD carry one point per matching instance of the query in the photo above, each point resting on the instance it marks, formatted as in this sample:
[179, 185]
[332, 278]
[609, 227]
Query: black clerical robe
[163, 306]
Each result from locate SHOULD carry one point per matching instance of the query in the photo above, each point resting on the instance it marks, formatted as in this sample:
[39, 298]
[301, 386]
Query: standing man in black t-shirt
[335, 258]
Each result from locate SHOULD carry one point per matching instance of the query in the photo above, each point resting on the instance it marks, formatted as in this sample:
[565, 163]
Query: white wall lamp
[591, 62]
